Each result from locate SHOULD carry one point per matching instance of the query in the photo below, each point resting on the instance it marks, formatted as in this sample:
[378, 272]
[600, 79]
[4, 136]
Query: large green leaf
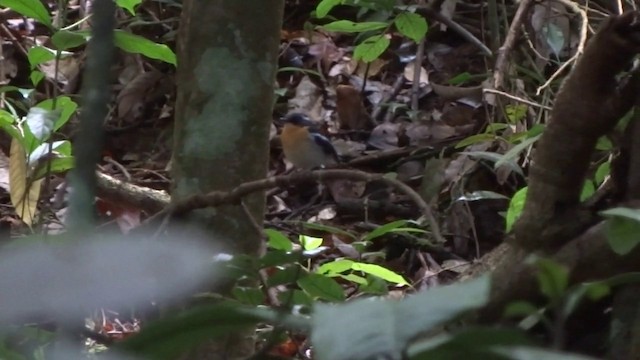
[516, 205]
[138, 45]
[470, 343]
[375, 328]
[130, 5]
[384, 229]
[411, 25]
[29, 8]
[322, 287]
[169, 337]
[348, 26]
[65, 39]
[371, 48]
[622, 229]
[40, 54]
[278, 240]
[64, 104]
[325, 6]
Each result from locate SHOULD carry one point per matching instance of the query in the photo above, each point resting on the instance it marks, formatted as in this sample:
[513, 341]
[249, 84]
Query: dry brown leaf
[131, 99]
[352, 114]
[24, 193]
[409, 73]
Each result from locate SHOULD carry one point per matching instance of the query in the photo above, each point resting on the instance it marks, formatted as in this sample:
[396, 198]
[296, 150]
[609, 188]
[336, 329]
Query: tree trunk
[227, 56]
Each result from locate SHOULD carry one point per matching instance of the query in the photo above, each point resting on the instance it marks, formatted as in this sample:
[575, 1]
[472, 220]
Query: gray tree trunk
[227, 57]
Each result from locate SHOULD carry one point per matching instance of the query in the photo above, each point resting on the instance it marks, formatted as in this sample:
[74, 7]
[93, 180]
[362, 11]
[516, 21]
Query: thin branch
[579, 50]
[235, 196]
[509, 42]
[518, 99]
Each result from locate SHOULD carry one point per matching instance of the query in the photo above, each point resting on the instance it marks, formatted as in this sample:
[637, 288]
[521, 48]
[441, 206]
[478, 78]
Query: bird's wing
[325, 144]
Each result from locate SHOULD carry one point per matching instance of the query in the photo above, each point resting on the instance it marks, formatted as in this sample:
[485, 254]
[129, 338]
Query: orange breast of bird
[299, 148]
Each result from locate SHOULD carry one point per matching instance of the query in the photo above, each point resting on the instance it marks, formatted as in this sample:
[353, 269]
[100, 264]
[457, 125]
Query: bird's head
[298, 119]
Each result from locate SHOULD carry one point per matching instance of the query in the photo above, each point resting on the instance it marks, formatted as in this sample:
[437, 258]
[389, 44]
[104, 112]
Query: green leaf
[43, 149]
[520, 309]
[553, 278]
[139, 45]
[474, 139]
[169, 337]
[286, 275]
[588, 189]
[321, 287]
[65, 39]
[470, 343]
[56, 165]
[40, 54]
[530, 353]
[602, 172]
[248, 295]
[278, 240]
[594, 291]
[8, 124]
[129, 5]
[348, 26]
[460, 79]
[35, 77]
[279, 258]
[515, 151]
[375, 328]
[29, 8]
[622, 229]
[333, 268]
[356, 279]
[380, 272]
[327, 228]
[411, 25]
[67, 108]
[40, 122]
[604, 144]
[516, 112]
[325, 6]
[516, 205]
[309, 242]
[371, 48]
[289, 298]
[498, 159]
[385, 229]
[374, 286]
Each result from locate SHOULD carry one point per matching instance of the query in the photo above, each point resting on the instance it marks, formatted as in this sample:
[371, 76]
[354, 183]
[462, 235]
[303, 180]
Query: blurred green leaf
[29, 8]
[129, 5]
[324, 7]
[384, 229]
[309, 242]
[321, 287]
[348, 26]
[64, 104]
[64, 39]
[278, 240]
[376, 328]
[553, 278]
[622, 229]
[602, 172]
[380, 272]
[371, 48]
[411, 25]
[516, 205]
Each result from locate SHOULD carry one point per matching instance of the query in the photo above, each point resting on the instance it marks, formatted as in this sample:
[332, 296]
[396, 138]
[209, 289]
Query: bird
[303, 146]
